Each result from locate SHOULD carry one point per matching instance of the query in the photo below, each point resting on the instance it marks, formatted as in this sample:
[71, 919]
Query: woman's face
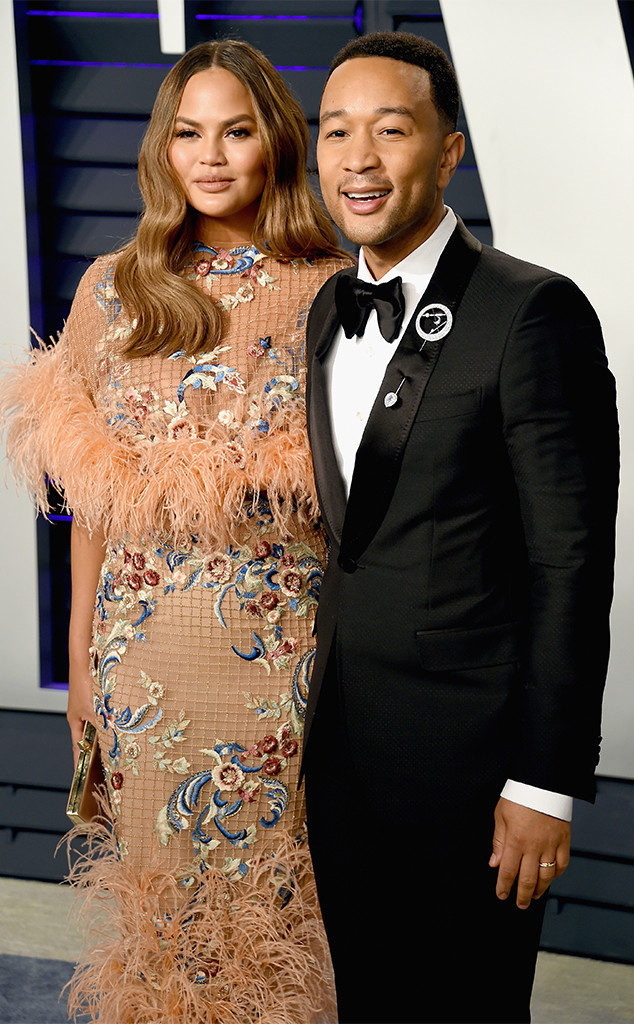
[216, 152]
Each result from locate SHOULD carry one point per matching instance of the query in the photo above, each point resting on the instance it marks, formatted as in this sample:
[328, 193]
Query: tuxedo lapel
[380, 453]
[331, 489]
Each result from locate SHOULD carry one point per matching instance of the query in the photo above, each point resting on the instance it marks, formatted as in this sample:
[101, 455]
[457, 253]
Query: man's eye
[338, 133]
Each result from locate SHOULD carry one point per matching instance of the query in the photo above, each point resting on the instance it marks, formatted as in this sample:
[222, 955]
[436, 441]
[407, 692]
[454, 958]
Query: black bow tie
[355, 300]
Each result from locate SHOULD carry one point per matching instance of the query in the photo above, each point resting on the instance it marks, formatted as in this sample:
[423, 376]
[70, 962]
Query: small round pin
[392, 396]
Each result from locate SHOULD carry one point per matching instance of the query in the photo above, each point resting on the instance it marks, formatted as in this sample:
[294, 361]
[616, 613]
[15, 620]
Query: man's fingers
[498, 841]
[507, 873]
[561, 858]
[528, 881]
[546, 874]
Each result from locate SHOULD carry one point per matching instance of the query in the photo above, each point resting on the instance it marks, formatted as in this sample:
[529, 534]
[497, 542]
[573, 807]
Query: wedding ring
[547, 864]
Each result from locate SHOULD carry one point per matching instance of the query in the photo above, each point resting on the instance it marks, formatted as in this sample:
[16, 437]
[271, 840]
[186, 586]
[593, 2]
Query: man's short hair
[411, 49]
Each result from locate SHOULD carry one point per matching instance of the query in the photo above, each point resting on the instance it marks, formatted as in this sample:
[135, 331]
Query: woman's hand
[80, 707]
[86, 558]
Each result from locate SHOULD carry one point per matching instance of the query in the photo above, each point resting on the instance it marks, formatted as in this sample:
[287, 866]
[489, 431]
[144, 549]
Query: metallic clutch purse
[82, 805]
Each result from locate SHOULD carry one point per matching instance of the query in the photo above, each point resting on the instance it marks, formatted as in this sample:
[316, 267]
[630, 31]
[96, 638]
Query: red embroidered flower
[289, 749]
[203, 267]
[134, 581]
[288, 561]
[138, 560]
[269, 601]
[233, 380]
[236, 455]
[117, 780]
[253, 608]
[272, 766]
[268, 744]
[227, 257]
[287, 647]
[180, 428]
[247, 796]
[262, 549]
[152, 578]
[291, 584]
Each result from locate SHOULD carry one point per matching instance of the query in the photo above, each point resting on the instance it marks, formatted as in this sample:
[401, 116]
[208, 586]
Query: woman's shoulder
[317, 269]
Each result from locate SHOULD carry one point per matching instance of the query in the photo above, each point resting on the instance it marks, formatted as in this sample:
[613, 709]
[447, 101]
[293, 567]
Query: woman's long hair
[171, 313]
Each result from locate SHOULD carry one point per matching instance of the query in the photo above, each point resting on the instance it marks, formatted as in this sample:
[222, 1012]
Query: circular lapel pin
[434, 322]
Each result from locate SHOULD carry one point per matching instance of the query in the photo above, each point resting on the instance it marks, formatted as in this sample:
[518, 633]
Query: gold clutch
[82, 804]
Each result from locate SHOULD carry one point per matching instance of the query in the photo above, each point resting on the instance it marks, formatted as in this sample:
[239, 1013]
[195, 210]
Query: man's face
[384, 157]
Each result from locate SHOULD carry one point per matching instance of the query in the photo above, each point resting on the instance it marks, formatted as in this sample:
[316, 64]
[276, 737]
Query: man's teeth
[366, 195]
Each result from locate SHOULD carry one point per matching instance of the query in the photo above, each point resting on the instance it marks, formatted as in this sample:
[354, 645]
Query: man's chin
[362, 231]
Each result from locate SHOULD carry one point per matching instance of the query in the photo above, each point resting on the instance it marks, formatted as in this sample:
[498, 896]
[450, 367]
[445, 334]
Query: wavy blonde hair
[171, 313]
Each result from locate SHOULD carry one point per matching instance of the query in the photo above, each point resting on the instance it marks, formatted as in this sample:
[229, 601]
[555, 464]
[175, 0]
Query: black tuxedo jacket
[465, 604]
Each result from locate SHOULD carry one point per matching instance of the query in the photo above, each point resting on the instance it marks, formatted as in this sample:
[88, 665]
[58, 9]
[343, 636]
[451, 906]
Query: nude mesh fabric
[200, 472]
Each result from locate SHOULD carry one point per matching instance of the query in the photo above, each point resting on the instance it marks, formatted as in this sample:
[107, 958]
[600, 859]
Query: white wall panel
[19, 635]
[549, 96]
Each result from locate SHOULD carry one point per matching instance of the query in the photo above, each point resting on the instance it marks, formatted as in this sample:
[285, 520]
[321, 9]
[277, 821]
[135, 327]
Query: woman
[172, 414]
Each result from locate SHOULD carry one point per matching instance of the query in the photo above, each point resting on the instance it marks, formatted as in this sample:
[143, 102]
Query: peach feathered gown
[199, 471]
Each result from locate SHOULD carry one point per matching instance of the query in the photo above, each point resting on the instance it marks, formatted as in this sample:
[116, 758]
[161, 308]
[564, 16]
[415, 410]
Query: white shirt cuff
[556, 804]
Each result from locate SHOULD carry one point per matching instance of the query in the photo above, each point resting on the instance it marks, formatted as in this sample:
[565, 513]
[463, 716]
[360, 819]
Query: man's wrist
[558, 805]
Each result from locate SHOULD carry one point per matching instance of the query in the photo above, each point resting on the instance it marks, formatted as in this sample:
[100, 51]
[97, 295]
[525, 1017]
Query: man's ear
[452, 153]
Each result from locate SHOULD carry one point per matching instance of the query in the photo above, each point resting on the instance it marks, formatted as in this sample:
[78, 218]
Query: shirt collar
[422, 260]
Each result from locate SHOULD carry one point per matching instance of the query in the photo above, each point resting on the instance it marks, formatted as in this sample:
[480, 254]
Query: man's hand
[522, 838]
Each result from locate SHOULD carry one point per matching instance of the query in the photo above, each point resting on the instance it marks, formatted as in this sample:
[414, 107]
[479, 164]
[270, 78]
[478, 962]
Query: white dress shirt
[355, 368]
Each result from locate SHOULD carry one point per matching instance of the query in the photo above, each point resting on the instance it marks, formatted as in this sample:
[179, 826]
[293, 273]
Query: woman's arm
[86, 559]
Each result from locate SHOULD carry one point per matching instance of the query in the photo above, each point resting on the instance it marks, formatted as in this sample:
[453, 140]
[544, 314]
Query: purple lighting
[128, 64]
[91, 14]
[272, 17]
[94, 64]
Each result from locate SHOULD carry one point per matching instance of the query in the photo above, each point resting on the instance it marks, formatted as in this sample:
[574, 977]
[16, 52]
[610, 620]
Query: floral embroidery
[209, 375]
[210, 263]
[107, 297]
[174, 733]
[237, 778]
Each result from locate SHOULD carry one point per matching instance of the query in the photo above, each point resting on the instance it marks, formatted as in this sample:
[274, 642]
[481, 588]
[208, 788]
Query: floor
[39, 920]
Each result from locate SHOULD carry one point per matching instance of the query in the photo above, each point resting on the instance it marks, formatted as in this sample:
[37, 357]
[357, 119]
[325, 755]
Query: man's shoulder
[524, 288]
[513, 270]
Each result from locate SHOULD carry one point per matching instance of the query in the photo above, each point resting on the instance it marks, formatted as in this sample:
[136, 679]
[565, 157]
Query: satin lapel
[380, 453]
[331, 490]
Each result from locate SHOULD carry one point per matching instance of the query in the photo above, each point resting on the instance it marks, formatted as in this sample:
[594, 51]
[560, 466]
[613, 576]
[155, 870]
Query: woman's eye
[238, 133]
[186, 133]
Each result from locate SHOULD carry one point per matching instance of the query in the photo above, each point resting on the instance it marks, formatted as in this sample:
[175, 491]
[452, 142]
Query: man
[467, 474]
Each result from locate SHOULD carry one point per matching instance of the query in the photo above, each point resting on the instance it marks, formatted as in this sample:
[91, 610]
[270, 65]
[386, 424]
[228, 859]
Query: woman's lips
[213, 185]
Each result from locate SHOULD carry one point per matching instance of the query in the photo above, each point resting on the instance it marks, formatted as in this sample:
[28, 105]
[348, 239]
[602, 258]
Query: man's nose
[360, 154]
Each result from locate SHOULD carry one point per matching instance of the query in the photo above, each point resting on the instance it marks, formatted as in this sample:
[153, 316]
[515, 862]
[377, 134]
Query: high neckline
[236, 250]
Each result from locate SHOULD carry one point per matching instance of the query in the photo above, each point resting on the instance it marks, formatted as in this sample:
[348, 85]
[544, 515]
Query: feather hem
[218, 952]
